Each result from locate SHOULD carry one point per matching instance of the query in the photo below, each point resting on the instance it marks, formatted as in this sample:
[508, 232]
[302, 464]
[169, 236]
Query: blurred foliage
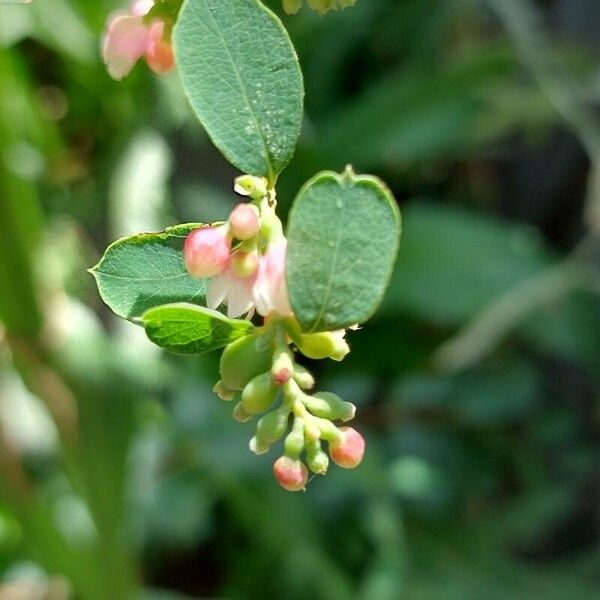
[120, 469]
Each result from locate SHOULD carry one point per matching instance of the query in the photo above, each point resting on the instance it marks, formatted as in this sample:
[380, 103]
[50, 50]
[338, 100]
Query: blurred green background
[122, 476]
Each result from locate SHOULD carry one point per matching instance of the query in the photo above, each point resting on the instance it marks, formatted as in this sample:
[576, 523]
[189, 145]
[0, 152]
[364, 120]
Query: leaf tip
[349, 173]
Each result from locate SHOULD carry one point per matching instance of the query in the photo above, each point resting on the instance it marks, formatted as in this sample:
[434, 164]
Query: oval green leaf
[343, 237]
[189, 329]
[146, 270]
[241, 74]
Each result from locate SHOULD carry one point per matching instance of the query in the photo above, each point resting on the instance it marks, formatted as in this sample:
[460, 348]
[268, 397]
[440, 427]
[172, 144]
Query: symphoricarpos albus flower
[129, 38]
[159, 53]
[231, 289]
[270, 289]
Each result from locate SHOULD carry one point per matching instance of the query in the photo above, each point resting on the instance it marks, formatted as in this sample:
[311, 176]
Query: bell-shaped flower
[234, 291]
[270, 289]
[159, 54]
[126, 41]
[128, 38]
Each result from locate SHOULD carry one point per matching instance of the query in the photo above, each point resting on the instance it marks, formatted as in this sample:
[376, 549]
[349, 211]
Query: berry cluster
[245, 257]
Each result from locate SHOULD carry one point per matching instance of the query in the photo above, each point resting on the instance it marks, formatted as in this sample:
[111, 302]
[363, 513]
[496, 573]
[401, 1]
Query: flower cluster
[321, 6]
[135, 34]
[245, 257]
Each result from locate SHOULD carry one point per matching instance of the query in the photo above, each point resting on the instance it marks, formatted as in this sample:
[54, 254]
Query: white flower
[233, 290]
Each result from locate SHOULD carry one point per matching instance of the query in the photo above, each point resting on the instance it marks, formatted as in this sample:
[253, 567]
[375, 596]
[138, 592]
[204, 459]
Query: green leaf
[453, 263]
[242, 77]
[146, 270]
[189, 329]
[344, 232]
[428, 113]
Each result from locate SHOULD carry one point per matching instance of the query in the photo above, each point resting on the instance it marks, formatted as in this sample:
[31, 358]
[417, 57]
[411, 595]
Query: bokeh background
[122, 476]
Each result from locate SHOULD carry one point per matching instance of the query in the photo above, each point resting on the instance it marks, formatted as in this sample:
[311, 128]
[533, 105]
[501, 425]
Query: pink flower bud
[244, 221]
[282, 368]
[159, 54]
[282, 376]
[290, 473]
[349, 451]
[206, 251]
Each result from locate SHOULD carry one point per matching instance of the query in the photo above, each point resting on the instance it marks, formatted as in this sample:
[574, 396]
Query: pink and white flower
[233, 290]
[270, 289]
[129, 38]
[264, 290]
[244, 279]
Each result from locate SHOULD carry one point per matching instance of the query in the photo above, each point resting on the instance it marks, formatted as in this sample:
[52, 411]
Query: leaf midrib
[152, 279]
[245, 96]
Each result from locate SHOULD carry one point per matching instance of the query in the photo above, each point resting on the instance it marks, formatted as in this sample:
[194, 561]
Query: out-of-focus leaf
[427, 114]
[453, 263]
[20, 211]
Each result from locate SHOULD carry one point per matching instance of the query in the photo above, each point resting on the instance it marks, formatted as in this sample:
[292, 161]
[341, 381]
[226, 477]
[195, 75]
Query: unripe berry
[259, 394]
[290, 473]
[282, 368]
[243, 360]
[294, 441]
[221, 390]
[329, 406]
[206, 251]
[269, 429]
[326, 344]
[240, 414]
[303, 377]
[316, 459]
[348, 452]
[244, 221]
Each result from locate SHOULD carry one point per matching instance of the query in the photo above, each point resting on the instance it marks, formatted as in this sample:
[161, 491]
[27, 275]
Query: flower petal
[125, 43]
[142, 7]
